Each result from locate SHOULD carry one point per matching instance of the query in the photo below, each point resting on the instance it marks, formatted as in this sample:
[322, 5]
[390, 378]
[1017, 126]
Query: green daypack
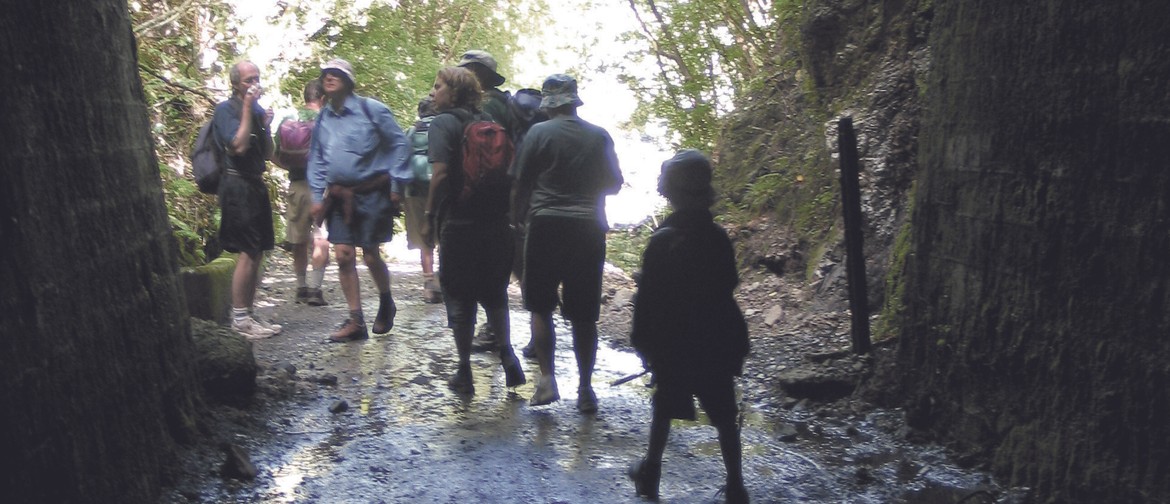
[419, 138]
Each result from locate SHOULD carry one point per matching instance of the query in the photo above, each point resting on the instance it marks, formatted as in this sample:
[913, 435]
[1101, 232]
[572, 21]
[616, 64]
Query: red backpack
[295, 137]
[487, 155]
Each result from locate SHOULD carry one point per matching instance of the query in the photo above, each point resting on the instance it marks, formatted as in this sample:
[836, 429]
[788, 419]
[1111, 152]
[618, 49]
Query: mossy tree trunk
[96, 380]
[1039, 282]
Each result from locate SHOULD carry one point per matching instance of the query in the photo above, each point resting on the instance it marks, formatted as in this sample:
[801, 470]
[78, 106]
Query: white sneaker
[275, 328]
[251, 329]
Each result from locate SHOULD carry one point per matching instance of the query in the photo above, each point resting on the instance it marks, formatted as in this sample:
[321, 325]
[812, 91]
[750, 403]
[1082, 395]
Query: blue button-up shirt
[355, 143]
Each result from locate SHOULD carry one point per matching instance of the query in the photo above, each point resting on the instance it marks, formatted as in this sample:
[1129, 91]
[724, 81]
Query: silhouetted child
[687, 326]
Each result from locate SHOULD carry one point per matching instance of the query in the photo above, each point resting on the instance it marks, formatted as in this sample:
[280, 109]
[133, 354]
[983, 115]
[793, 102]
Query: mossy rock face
[208, 288]
[226, 364]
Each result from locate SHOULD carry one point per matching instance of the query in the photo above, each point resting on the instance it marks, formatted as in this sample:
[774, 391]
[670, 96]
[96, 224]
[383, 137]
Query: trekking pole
[629, 378]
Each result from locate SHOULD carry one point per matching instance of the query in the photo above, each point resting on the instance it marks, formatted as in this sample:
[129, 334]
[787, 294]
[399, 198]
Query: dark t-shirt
[446, 146]
[569, 166]
[227, 121]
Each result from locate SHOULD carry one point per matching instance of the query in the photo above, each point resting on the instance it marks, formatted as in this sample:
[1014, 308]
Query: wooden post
[854, 240]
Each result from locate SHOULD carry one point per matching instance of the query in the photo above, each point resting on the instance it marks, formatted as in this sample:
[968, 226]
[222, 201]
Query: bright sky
[608, 103]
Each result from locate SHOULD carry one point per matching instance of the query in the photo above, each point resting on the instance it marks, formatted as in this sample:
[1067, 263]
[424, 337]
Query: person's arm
[523, 181]
[275, 157]
[239, 144]
[615, 171]
[397, 150]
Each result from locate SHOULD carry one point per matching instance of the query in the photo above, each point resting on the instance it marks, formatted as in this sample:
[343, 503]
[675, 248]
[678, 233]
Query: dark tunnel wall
[1037, 330]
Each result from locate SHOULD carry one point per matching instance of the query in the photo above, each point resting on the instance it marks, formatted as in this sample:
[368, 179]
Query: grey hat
[476, 56]
[557, 90]
[341, 66]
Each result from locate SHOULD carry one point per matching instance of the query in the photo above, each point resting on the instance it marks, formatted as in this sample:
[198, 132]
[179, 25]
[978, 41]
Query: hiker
[471, 221]
[356, 150]
[687, 326]
[245, 226]
[563, 172]
[495, 104]
[293, 137]
[416, 198]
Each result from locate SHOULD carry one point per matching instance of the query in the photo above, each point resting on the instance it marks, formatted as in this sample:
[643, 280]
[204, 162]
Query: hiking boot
[513, 373]
[431, 292]
[586, 400]
[384, 322]
[350, 330]
[733, 494]
[315, 297]
[461, 382]
[546, 391]
[485, 340]
[645, 477]
[251, 329]
[303, 294]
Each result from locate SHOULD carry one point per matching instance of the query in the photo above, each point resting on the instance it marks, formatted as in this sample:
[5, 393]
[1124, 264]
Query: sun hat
[342, 66]
[476, 56]
[557, 90]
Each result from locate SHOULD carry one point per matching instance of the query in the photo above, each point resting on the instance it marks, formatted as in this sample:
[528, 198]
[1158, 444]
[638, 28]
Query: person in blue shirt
[356, 159]
[242, 127]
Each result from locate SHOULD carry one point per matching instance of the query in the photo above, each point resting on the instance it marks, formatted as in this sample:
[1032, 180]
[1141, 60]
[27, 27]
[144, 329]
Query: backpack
[524, 107]
[208, 159]
[418, 137]
[295, 138]
[487, 155]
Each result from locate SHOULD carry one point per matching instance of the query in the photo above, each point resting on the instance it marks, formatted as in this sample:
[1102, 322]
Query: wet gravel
[373, 421]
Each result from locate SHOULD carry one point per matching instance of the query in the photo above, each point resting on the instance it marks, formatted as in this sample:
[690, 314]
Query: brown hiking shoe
[315, 298]
[350, 330]
[303, 294]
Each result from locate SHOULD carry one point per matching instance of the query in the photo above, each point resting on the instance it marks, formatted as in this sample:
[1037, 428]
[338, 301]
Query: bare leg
[729, 445]
[545, 336]
[378, 269]
[244, 280]
[347, 276]
[300, 253]
[320, 253]
[585, 346]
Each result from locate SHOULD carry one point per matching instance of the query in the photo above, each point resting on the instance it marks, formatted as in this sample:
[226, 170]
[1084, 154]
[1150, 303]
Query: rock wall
[854, 58]
[1038, 284]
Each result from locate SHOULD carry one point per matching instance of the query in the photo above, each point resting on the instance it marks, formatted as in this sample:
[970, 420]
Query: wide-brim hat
[342, 66]
[478, 57]
[558, 90]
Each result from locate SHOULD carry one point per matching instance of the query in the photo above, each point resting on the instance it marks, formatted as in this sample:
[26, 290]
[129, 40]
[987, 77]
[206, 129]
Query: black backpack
[208, 159]
[524, 107]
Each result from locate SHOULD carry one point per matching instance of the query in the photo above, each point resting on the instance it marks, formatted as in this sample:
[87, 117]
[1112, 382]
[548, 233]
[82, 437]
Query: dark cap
[558, 90]
[686, 176]
[478, 57]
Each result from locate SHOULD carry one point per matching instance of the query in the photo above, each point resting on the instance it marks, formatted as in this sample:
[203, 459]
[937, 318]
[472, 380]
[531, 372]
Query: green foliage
[624, 246]
[708, 54]
[397, 48]
[171, 41]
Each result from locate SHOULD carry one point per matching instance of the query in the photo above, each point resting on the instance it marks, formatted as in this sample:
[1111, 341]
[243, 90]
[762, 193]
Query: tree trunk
[96, 380]
[1039, 286]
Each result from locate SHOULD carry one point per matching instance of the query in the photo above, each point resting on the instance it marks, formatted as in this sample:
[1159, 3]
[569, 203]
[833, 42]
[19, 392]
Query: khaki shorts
[297, 215]
[416, 207]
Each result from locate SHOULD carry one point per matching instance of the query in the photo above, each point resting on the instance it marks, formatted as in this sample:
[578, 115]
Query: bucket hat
[342, 66]
[557, 90]
[476, 56]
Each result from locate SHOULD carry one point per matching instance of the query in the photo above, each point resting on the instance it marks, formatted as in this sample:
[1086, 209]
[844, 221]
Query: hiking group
[499, 185]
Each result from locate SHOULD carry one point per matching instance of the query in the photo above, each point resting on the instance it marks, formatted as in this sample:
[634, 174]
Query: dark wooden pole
[854, 241]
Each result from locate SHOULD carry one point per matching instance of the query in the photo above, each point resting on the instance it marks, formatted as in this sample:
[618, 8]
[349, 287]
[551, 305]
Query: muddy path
[373, 421]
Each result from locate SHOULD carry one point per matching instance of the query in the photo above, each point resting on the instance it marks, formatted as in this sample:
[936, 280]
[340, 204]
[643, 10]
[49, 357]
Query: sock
[315, 278]
[301, 280]
[239, 314]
